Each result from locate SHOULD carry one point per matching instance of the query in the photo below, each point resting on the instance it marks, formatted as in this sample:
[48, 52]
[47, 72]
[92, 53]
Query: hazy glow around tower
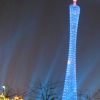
[74, 2]
[70, 84]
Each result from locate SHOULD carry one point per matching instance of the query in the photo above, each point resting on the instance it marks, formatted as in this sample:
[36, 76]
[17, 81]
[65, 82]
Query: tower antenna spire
[74, 2]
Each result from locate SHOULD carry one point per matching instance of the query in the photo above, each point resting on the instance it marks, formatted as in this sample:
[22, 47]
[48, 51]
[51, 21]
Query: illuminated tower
[70, 85]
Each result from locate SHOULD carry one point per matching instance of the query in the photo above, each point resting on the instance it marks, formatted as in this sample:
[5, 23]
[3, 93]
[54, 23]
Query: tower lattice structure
[70, 84]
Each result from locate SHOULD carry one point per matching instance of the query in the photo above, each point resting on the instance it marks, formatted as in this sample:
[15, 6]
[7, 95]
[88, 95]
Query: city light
[70, 85]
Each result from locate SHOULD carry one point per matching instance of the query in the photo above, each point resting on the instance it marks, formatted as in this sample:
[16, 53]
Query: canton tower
[70, 84]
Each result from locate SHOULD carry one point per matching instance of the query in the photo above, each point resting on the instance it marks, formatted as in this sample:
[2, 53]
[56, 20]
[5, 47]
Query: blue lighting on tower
[70, 85]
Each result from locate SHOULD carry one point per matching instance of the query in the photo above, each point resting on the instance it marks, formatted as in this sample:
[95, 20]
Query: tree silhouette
[46, 91]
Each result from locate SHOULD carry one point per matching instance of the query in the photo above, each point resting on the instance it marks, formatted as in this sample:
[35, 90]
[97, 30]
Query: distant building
[17, 98]
[3, 97]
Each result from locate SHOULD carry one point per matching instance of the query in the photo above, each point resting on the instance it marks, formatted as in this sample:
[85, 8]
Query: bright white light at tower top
[74, 2]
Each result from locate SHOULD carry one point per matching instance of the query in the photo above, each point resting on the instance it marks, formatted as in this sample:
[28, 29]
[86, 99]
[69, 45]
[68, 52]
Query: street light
[4, 89]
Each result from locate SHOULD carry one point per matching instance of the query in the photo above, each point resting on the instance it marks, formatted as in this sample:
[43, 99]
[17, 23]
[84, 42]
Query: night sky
[31, 42]
[33, 34]
[88, 57]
